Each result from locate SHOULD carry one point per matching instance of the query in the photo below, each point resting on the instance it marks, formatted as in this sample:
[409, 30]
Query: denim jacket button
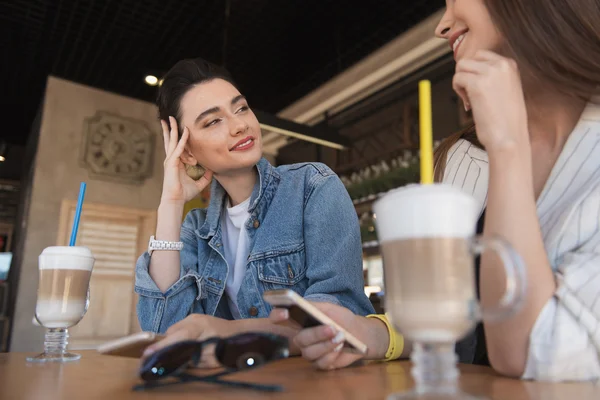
[253, 311]
[256, 224]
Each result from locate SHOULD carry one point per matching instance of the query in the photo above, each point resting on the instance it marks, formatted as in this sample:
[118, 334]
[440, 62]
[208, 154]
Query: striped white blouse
[565, 340]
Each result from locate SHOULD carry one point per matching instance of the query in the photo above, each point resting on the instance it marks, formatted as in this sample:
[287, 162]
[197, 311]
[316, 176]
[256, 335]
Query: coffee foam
[425, 211]
[66, 257]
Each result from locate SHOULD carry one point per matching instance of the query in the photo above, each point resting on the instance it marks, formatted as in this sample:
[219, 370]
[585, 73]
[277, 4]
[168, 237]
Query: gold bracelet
[396, 346]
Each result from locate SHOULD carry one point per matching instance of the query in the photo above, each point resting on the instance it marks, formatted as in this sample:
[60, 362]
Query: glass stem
[55, 341]
[434, 368]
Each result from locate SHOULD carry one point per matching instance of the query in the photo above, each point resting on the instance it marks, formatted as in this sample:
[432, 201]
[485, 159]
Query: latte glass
[62, 298]
[427, 238]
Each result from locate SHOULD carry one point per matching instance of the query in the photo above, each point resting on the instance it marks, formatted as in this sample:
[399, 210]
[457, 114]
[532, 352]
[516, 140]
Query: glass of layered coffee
[428, 242]
[63, 297]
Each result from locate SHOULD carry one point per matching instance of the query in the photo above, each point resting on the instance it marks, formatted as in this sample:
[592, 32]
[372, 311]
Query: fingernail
[148, 351]
[331, 331]
[339, 338]
[285, 314]
[466, 107]
[339, 347]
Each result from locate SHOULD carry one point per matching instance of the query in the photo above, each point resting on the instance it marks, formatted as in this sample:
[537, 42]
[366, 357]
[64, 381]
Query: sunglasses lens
[251, 350]
[167, 361]
[249, 360]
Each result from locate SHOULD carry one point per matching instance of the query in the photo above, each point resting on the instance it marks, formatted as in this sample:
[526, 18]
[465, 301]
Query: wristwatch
[163, 245]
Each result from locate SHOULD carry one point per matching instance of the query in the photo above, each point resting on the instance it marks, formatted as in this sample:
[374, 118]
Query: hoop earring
[195, 171]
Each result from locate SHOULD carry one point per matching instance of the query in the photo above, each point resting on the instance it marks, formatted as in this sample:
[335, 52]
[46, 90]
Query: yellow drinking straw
[425, 132]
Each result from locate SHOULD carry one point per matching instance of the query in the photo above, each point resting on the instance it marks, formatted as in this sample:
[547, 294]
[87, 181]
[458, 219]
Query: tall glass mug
[63, 297]
[427, 238]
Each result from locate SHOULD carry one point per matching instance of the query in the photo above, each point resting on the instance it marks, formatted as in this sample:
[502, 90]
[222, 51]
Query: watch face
[118, 148]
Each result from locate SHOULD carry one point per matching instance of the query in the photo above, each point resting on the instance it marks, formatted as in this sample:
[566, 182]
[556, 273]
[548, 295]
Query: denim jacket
[303, 233]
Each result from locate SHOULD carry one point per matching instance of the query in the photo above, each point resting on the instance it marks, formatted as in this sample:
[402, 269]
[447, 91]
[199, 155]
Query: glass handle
[516, 281]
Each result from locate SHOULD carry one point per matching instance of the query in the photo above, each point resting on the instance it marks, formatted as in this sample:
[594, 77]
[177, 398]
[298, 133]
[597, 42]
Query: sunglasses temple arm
[180, 378]
[215, 379]
[152, 385]
[255, 386]
[184, 378]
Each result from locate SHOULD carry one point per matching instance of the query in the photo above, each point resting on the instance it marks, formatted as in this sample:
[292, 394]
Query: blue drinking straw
[77, 214]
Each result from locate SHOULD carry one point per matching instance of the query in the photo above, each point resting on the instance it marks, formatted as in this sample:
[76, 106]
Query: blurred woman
[530, 72]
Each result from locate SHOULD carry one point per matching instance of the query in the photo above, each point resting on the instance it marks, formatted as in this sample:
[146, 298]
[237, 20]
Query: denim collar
[267, 176]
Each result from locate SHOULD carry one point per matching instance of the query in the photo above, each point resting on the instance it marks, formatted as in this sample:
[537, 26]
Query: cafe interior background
[331, 81]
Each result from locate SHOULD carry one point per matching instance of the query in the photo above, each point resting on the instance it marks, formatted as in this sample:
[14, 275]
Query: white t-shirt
[236, 249]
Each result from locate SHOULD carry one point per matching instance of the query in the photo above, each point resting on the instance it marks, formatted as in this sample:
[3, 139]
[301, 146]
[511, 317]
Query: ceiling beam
[321, 135]
[407, 53]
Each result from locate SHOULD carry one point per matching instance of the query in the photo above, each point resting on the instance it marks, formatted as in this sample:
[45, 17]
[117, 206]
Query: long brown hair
[554, 41]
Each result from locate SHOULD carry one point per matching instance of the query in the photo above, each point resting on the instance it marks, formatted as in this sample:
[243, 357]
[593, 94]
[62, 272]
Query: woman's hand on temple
[178, 187]
[490, 85]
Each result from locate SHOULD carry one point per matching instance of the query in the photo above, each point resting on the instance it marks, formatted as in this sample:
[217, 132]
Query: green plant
[386, 181]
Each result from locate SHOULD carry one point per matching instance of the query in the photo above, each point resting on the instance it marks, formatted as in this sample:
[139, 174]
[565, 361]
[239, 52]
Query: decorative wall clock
[117, 148]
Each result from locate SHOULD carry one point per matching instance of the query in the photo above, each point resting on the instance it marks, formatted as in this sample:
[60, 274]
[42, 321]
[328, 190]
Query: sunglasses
[236, 353]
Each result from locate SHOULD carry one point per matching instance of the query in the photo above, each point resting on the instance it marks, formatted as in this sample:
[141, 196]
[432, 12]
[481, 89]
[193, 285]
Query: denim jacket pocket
[284, 269]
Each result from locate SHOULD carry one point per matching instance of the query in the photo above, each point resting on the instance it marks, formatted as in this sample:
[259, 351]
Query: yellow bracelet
[396, 346]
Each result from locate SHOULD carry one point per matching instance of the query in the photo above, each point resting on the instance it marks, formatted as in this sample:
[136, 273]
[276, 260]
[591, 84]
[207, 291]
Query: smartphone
[307, 316]
[130, 346]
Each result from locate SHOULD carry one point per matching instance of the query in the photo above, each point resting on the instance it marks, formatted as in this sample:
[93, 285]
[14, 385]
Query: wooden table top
[98, 376]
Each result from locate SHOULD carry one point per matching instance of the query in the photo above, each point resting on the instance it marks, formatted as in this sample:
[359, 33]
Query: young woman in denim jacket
[289, 227]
